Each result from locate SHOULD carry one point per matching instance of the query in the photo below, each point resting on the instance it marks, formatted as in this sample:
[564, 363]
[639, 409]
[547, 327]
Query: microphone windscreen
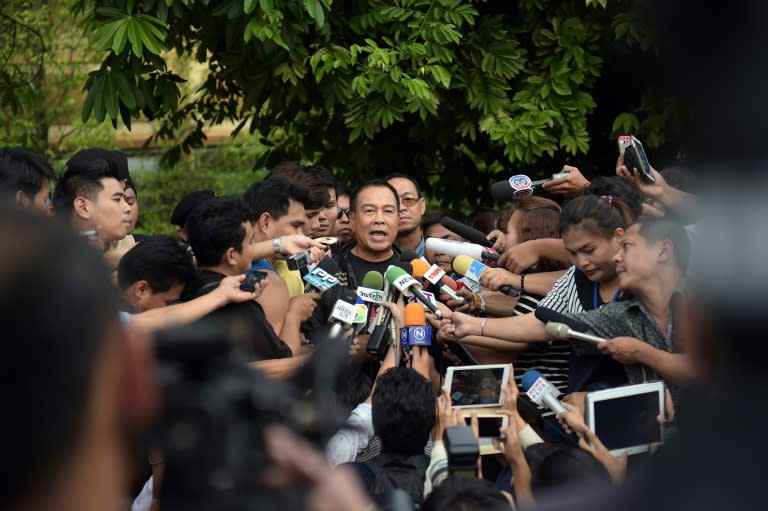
[408, 255]
[546, 315]
[414, 315]
[502, 191]
[373, 280]
[461, 264]
[529, 378]
[466, 232]
[448, 281]
[419, 268]
[455, 248]
[393, 273]
[329, 265]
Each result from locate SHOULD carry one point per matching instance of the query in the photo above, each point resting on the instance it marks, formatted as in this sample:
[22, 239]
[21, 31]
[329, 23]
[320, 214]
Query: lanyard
[596, 296]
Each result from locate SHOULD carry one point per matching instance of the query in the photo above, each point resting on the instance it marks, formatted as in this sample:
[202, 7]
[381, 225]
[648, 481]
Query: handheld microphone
[435, 276]
[409, 286]
[372, 288]
[546, 315]
[562, 331]
[416, 332]
[344, 313]
[542, 392]
[456, 248]
[321, 278]
[472, 269]
[517, 187]
[468, 233]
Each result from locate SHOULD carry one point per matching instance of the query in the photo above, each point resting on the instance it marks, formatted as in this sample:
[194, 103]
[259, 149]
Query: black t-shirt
[265, 344]
[360, 267]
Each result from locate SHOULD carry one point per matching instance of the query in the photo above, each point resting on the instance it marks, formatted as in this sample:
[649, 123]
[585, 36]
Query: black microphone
[468, 233]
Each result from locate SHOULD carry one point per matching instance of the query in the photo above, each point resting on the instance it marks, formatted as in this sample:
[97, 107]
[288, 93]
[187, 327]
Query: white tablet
[624, 418]
[477, 386]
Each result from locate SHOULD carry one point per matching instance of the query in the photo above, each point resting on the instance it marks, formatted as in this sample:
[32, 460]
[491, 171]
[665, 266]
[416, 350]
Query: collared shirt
[422, 245]
[629, 318]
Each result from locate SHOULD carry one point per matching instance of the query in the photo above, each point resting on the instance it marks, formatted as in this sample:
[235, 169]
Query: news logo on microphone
[416, 332]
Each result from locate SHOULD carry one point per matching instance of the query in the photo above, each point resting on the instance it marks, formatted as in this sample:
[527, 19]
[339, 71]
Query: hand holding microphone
[473, 270]
[409, 286]
[542, 392]
[456, 248]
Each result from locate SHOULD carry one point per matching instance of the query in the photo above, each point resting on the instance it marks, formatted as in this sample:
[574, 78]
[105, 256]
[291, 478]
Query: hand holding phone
[635, 158]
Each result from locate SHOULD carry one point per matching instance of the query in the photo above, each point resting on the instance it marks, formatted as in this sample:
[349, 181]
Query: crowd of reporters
[290, 258]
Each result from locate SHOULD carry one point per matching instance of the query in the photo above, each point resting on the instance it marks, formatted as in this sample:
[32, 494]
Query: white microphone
[455, 248]
[563, 331]
[409, 286]
[542, 392]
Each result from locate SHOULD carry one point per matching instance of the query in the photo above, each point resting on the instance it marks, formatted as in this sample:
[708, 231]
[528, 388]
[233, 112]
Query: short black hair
[435, 216]
[326, 176]
[658, 229]
[402, 175]
[161, 261]
[187, 204]
[403, 409]
[82, 179]
[317, 188]
[117, 158]
[465, 494]
[214, 226]
[22, 170]
[372, 183]
[618, 188]
[273, 196]
[557, 465]
[47, 381]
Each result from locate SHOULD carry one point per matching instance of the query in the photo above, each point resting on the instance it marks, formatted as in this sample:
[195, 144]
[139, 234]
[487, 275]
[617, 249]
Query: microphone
[562, 331]
[546, 315]
[409, 286]
[344, 313]
[468, 233]
[321, 278]
[372, 288]
[437, 277]
[517, 187]
[416, 332]
[409, 255]
[542, 392]
[456, 248]
[471, 269]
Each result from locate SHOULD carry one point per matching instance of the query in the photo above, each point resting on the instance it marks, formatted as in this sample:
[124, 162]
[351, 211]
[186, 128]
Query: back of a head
[82, 179]
[22, 170]
[313, 181]
[161, 261]
[436, 215]
[618, 188]
[189, 202]
[56, 320]
[466, 494]
[403, 409]
[556, 466]
[213, 227]
[599, 215]
[274, 196]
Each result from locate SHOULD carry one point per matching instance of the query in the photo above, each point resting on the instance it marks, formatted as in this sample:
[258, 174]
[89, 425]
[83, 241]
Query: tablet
[624, 418]
[477, 386]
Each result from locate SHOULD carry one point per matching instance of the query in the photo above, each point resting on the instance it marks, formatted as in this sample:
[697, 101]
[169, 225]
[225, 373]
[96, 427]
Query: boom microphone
[454, 248]
[542, 392]
[409, 286]
[468, 267]
[468, 233]
[562, 331]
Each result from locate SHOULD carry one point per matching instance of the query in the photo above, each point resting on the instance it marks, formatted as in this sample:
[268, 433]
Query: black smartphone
[254, 277]
[635, 157]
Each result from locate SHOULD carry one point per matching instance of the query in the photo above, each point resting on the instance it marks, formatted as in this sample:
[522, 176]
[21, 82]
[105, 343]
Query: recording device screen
[488, 426]
[476, 387]
[627, 421]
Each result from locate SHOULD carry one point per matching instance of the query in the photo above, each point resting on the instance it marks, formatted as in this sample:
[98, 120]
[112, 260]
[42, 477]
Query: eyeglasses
[343, 211]
[409, 201]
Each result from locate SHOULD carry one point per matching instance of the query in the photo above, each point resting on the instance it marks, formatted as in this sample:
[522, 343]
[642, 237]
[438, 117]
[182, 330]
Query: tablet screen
[628, 421]
[476, 386]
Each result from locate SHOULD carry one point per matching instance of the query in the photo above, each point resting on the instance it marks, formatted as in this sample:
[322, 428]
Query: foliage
[460, 92]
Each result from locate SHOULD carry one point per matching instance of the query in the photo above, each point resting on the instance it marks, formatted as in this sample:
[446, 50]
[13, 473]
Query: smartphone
[635, 157]
[254, 277]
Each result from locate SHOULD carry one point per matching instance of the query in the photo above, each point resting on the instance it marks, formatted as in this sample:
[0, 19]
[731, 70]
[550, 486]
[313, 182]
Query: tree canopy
[461, 92]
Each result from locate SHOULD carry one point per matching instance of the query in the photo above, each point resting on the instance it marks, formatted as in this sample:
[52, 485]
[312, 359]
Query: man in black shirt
[222, 239]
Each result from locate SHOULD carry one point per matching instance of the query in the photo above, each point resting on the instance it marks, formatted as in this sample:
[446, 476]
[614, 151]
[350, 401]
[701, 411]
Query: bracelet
[482, 327]
[482, 304]
[276, 245]
[522, 283]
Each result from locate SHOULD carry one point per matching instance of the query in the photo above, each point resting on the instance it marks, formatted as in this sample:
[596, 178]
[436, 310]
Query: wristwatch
[276, 245]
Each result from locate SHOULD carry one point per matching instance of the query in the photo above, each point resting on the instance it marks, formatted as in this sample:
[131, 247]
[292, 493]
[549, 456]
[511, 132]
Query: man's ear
[21, 199]
[422, 205]
[82, 207]
[666, 251]
[263, 223]
[140, 288]
[230, 258]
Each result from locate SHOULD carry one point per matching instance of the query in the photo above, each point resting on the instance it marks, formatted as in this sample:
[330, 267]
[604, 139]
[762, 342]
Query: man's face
[636, 259]
[412, 206]
[109, 214]
[130, 198]
[343, 227]
[438, 258]
[326, 217]
[313, 222]
[148, 299]
[374, 220]
[292, 222]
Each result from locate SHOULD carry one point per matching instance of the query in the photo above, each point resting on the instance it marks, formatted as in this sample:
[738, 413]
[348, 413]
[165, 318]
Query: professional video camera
[215, 409]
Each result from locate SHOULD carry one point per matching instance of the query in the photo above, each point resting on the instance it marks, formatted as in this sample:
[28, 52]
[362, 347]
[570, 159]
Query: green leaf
[124, 89]
[441, 74]
[315, 10]
[120, 37]
[625, 123]
[249, 6]
[267, 6]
